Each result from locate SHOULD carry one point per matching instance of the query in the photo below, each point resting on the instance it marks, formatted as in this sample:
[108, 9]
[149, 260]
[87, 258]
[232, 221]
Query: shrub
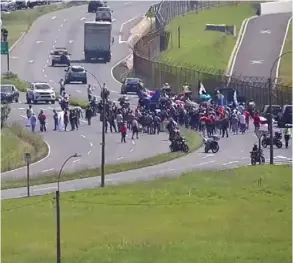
[5, 111]
[11, 78]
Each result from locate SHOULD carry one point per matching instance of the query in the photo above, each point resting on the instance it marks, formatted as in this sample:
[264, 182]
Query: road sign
[27, 157]
[4, 48]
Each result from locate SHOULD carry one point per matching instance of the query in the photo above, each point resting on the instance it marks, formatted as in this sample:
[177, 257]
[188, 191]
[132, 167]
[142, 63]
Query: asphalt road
[261, 45]
[30, 60]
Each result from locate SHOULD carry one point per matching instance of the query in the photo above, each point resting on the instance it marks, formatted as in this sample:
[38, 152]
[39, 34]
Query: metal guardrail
[155, 72]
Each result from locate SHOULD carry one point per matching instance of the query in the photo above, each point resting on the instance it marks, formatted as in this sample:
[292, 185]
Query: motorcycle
[255, 157]
[211, 144]
[179, 146]
[276, 140]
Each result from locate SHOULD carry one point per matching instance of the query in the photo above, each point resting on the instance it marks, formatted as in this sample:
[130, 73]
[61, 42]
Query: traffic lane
[261, 45]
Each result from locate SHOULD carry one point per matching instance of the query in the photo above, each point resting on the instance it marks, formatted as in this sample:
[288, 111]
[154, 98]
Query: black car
[94, 5]
[60, 56]
[9, 93]
[131, 85]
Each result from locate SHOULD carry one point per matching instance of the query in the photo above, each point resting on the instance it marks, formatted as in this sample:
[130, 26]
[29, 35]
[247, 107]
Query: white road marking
[132, 141]
[89, 152]
[39, 41]
[23, 116]
[59, 30]
[61, 25]
[47, 61]
[31, 61]
[131, 150]
[46, 66]
[253, 62]
[14, 57]
[204, 163]
[119, 158]
[265, 31]
[75, 161]
[127, 3]
[54, 17]
[71, 41]
[44, 189]
[83, 136]
[57, 36]
[281, 157]
[48, 170]
[121, 28]
[45, 76]
[43, 70]
[51, 80]
[78, 91]
[230, 162]
[83, 18]
[207, 156]
[65, 20]
[91, 144]
[21, 108]
[54, 45]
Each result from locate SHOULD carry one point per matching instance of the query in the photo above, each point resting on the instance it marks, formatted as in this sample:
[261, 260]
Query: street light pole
[58, 236]
[270, 107]
[103, 128]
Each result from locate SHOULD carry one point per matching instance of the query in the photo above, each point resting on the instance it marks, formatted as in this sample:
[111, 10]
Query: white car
[40, 91]
[104, 14]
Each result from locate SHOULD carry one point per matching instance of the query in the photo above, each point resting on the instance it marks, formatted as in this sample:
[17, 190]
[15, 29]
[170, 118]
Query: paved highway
[30, 60]
[261, 45]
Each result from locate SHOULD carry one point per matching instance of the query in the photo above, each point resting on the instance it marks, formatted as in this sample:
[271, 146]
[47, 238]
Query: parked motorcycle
[276, 140]
[256, 157]
[211, 144]
[179, 145]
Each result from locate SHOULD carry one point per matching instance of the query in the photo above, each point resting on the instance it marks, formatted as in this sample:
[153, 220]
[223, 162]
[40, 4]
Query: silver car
[75, 74]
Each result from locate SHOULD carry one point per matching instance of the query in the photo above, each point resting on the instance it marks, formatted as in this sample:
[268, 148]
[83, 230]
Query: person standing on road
[42, 119]
[134, 128]
[287, 135]
[55, 118]
[29, 113]
[33, 122]
[88, 115]
[123, 132]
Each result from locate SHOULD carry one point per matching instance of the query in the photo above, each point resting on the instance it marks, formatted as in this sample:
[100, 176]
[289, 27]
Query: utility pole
[179, 37]
[58, 243]
[27, 159]
[103, 137]
[271, 122]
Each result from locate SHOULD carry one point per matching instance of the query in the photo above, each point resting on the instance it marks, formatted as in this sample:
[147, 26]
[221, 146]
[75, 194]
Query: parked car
[9, 93]
[40, 91]
[131, 85]
[60, 56]
[75, 74]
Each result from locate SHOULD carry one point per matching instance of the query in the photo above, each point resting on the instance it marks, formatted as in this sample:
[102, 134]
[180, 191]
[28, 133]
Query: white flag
[202, 90]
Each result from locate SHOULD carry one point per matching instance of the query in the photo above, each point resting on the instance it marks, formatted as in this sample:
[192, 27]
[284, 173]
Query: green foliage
[11, 78]
[5, 111]
[15, 141]
[200, 217]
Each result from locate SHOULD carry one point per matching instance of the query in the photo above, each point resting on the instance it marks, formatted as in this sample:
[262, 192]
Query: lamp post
[270, 106]
[102, 87]
[58, 248]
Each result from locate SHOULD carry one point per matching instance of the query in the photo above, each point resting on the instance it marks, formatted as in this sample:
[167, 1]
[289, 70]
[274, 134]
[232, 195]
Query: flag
[201, 89]
[235, 98]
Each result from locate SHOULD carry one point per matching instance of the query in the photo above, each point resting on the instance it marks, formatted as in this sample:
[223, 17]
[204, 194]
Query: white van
[104, 14]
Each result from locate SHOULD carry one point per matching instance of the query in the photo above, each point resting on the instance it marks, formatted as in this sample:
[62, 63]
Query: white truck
[97, 40]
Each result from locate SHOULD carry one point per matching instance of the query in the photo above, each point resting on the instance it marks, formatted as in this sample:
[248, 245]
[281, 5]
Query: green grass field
[205, 48]
[214, 217]
[193, 139]
[20, 21]
[15, 141]
[285, 72]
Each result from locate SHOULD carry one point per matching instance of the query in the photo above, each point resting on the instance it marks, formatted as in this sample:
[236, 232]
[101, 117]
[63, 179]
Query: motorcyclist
[62, 86]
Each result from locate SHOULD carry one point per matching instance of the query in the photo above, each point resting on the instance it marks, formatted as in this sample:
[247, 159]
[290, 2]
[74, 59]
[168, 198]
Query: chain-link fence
[155, 72]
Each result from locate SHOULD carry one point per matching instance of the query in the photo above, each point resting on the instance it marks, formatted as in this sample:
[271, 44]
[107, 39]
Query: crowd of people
[207, 116]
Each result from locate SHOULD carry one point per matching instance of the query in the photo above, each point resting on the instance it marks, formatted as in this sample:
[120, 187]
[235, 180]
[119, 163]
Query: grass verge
[20, 21]
[22, 86]
[212, 216]
[193, 139]
[15, 141]
[205, 48]
[286, 61]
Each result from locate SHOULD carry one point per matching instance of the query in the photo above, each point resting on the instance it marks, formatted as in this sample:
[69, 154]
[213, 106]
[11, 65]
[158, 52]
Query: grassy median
[241, 215]
[205, 48]
[194, 141]
[15, 141]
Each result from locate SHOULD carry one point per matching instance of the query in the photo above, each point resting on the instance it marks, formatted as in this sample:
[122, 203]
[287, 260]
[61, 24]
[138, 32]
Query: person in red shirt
[42, 119]
[247, 115]
[123, 131]
[256, 121]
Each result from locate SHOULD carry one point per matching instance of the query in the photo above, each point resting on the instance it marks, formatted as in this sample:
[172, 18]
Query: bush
[5, 111]
[11, 78]
[16, 140]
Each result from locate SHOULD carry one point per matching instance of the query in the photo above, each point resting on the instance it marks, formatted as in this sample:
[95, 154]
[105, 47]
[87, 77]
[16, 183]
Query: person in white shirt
[242, 122]
[134, 128]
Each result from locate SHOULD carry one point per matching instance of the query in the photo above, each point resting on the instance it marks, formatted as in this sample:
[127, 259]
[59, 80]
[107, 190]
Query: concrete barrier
[222, 28]
[277, 7]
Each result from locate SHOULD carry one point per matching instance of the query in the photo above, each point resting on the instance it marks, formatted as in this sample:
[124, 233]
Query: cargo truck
[97, 40]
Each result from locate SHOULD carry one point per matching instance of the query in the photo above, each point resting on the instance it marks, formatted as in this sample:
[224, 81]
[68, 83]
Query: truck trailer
[97, 40]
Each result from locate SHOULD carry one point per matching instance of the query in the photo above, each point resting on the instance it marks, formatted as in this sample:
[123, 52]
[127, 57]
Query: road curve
[30, 61]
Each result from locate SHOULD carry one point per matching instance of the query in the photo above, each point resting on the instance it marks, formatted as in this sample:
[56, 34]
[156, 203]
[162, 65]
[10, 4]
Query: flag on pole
[201, 89]
[235, 98]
